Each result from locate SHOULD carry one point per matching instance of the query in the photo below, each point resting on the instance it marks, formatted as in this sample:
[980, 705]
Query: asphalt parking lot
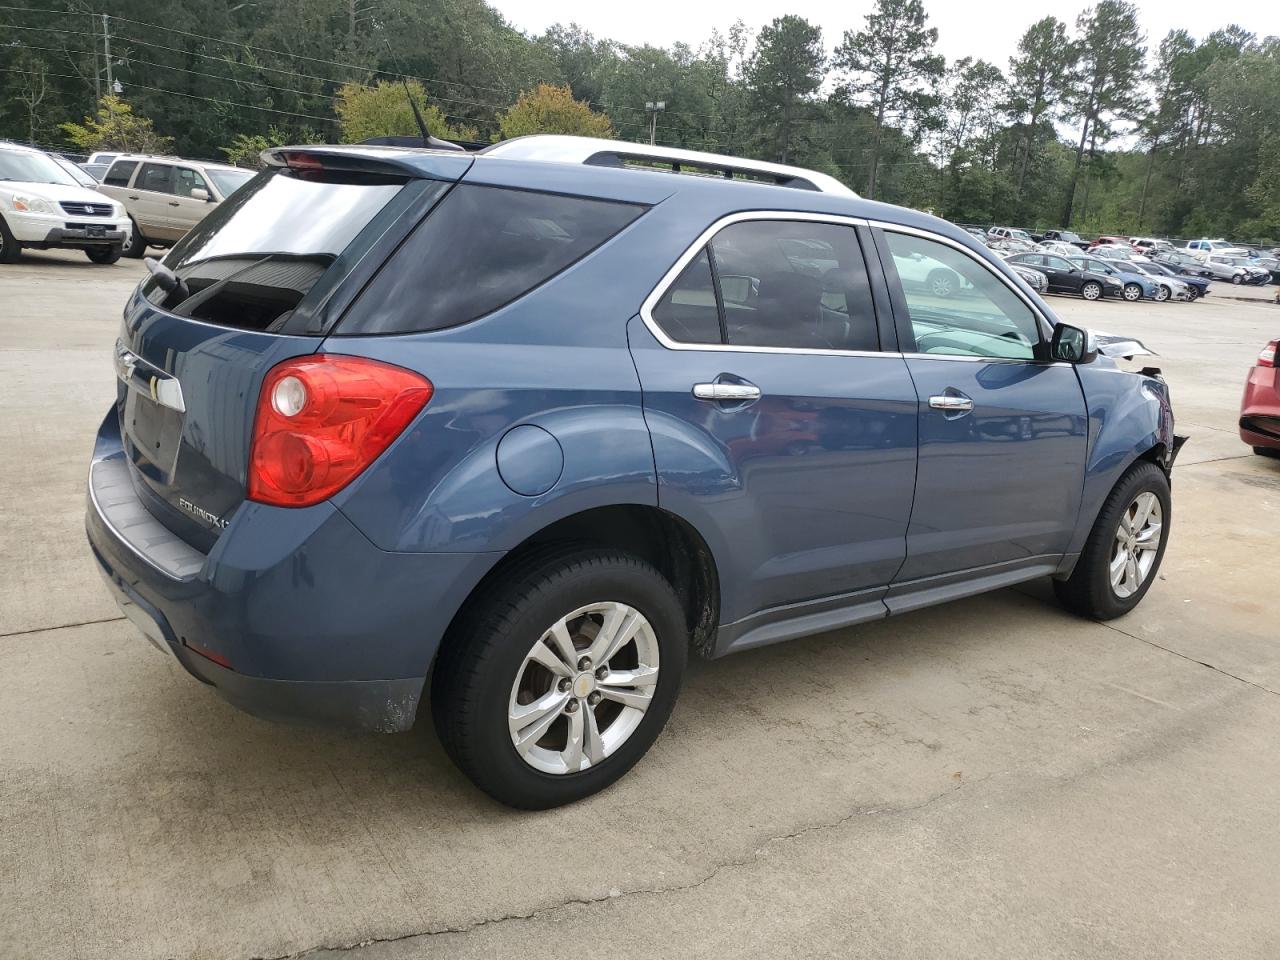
[992, 778]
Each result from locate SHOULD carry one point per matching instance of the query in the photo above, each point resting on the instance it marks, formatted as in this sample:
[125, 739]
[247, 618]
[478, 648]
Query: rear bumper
[1260, 408]
[293, 614]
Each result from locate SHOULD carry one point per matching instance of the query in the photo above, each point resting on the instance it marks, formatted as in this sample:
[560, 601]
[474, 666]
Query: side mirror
[200, 193]
[1072, 345]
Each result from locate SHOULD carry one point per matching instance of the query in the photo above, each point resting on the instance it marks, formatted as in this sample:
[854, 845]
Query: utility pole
[106, 49]
[97, 70]
[654, 109]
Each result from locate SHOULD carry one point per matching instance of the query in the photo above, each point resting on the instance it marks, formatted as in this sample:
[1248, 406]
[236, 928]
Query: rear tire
[1132, 292]
[136, 248]
[497, 663]
[1092, 590]
[942, 282]
[104, 254]
[1092, 290]
[1267, 452]
[10, 248]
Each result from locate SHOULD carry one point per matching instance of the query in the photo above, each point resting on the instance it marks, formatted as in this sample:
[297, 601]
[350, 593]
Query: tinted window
[229, 181]
[156, 177]
[794, 284]
[481, 248]
[1031, 259]
[687, 312]
[980, 316]
[1057, 263]
[187, 180]
[120, 172]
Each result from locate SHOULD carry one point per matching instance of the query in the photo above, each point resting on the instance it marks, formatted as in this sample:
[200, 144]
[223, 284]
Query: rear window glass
[120, 172]
[480, 249]
[252, 260]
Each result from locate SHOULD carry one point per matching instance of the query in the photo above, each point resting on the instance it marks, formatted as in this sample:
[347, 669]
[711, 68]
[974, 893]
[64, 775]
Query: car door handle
[132, 197]
[174, 203]
[951, 403]
[732, 392]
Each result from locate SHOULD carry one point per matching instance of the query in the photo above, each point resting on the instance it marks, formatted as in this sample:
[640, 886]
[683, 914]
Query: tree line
[1088, 124]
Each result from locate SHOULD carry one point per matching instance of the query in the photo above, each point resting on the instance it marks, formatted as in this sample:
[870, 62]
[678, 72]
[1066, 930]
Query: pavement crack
[1213, 667]
[60, 626]
[757, 854]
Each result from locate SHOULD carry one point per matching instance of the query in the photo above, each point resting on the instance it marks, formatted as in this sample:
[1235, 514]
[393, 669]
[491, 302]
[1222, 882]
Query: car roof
[165, 158]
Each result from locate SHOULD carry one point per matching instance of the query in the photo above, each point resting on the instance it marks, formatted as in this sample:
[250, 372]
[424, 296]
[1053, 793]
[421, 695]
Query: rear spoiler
[385, 160]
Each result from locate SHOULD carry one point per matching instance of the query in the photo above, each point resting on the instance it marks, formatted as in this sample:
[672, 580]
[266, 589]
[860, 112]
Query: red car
[1121, 241]
[1260, 409]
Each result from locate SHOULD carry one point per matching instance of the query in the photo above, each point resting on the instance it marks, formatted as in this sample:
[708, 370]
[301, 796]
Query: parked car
[1196, 287]
[1183, 264]
[1109, 241]
[1064, 236]
[1149, 245]
[1135, 284]
[1260, 408]
[1058, 248]
[1037, 280]
[1009, 233]
[1236, 269]
[537, 425]
[1118, 251]
[1066, 277]
[77, 173]
[1270, 264]
[166, 196]
[1202, 248]
[1007, 246]
[42, 207]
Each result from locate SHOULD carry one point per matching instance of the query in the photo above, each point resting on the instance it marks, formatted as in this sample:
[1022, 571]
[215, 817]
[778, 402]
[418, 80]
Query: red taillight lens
[1267, 358]
[322, 419]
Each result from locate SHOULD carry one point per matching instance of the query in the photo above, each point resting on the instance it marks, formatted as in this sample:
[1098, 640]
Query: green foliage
[548, 109]
[783, 74]
[116, 127]
[384, 110]
[246, 150]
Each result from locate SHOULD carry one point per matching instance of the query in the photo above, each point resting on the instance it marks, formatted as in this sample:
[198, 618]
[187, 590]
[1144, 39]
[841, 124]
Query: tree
[970, 138]
[785, 70]
[116, 127]
[246, 150]
[549, 109]
[383, 110]
[1109, 72]
[1039, 76]
[32, 90]
[891, 61]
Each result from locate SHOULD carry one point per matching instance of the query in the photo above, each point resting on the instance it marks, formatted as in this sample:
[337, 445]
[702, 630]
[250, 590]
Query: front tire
[104, 254]
[1267, 452]
[1122, 556]
[557, 679]
[1237, 279]
[136, 248]
[1163, 293]
[1092, 290]
[10, 248]
[1132, 292]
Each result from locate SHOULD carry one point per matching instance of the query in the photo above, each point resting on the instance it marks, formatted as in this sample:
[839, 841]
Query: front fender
[1129, 415]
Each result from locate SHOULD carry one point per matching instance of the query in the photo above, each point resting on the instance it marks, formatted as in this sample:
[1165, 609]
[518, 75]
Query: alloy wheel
[583, 688]
[1091, 291]
[1132, 292]
[942, 287]
[1163, 293]
[1137, 543]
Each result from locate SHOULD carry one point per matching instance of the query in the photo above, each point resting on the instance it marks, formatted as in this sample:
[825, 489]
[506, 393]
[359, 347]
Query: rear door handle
[951, 403]
[173, 203]
[732, 392]
[132, 197]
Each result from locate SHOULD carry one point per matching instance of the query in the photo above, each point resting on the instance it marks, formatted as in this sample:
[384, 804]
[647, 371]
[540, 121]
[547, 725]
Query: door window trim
[671, 276]
[1044, 324]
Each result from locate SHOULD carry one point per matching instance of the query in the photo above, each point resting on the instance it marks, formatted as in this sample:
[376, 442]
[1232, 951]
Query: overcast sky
[988, 30]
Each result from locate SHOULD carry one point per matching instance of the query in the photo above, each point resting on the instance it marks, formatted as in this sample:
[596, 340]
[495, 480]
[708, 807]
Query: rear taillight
[1267, 358]
[323, 419]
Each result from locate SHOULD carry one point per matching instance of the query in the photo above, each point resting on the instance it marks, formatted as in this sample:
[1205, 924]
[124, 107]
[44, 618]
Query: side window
[794, 284]
[1057, 263]
[187, 180]
[120, 172]
[980, 316]
[687, 312]
[156, 177]
[1032, 259]
[479, 249]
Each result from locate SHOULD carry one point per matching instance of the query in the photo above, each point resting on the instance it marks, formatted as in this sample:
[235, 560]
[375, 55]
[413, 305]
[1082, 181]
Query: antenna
[427, 139]
[417, 116]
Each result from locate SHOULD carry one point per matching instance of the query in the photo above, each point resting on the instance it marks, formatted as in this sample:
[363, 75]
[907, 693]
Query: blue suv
[514, 433]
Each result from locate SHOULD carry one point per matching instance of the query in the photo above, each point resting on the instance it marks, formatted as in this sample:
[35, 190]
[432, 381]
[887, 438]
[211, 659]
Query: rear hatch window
[254, 259]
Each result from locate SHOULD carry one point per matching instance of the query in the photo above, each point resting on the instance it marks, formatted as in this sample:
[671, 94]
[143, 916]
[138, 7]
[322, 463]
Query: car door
[781, 430]
[1002, 430]
[151, 199]
[186, 211]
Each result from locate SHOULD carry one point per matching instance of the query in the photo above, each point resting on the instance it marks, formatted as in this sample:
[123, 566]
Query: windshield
[229, 181]
[1069, 237]
[32, 168]
[80, 176]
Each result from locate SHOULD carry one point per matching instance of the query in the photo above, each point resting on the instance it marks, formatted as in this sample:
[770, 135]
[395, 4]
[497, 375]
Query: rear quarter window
[480, 249]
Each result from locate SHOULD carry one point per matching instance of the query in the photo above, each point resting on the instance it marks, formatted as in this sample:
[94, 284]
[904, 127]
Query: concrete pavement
[992, 778]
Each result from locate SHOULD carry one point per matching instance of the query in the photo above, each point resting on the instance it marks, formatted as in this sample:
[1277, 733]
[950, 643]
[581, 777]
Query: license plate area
[96, 230]
[154, 433]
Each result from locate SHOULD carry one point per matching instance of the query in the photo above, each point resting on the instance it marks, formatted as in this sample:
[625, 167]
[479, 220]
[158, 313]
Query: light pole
[654, 109]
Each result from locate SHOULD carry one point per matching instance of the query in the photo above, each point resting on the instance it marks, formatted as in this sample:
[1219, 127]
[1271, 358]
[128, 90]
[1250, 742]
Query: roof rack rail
[619, 153]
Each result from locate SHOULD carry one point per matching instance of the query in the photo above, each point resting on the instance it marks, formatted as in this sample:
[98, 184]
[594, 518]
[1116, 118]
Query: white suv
[42, 207]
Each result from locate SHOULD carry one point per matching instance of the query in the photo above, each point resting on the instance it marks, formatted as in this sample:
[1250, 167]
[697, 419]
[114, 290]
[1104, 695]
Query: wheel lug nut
[593, 698]
[565, 684]
[602, 673]
[571, 706]
[584, 663]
